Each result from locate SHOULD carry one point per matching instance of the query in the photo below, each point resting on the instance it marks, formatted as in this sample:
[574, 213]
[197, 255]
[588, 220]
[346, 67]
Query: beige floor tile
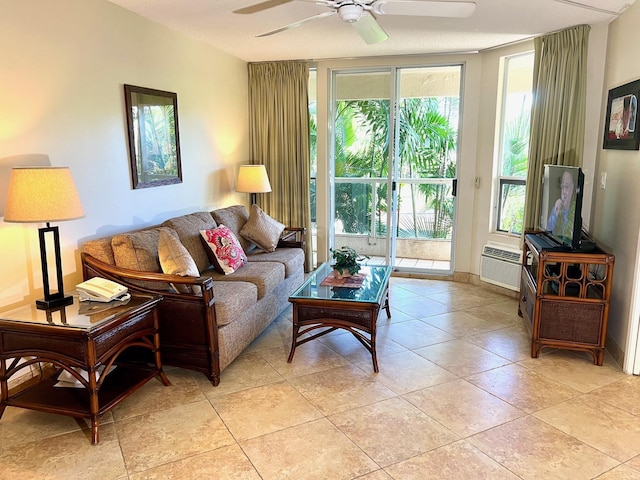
[277, 334]
[247, 371]
[397, 316]
[499, 308]
[312, 451]
[377, 475]
[422, 307]
[622, 472]
[624, 394]
[461, 324]
[512, 343]
[634, 463]
[533, 450]
[392, 430]
[575, 370]
[420, 286]
[342, 388]
[154, 395]
[462, 407]
[345, 344]
[225, 463]
[313, 356]
[467, 298]
[405, 372]
[20, 426]
[607, 428]
[523, 388]
[415, 334]
[64, 457]
[148, 441]
[261, 410]
[456, 461]
[461, 357]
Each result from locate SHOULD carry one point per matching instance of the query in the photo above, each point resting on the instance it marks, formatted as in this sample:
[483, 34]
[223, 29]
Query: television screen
[561, 212]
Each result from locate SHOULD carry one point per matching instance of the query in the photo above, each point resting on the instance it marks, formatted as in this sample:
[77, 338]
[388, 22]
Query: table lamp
[44, 194]
[253, 179]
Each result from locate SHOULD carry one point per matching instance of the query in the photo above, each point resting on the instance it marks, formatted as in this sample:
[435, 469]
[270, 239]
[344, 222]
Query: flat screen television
[561, 211]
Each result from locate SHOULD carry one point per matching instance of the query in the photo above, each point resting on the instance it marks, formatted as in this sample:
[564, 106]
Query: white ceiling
[493, 23]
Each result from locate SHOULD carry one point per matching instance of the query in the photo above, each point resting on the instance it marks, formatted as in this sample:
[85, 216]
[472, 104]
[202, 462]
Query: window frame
[500, 180]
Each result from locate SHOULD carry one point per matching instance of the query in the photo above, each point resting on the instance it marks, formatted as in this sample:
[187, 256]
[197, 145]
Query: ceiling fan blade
[258, 7]
[297, 24]
[369, 29]
[431, 8]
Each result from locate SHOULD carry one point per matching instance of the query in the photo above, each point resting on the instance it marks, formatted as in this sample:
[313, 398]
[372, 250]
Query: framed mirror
[154, 139]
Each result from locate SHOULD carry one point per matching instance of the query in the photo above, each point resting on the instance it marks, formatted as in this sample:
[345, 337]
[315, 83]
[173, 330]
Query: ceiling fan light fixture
[350, 13]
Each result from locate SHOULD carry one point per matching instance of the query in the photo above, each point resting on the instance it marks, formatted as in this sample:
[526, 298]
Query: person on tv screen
[561, 217]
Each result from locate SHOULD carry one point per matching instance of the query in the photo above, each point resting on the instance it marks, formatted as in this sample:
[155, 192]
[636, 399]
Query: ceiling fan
[361, 13]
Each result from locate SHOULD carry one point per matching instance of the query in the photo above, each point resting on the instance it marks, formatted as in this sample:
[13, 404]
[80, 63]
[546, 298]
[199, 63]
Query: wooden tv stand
[564, 297]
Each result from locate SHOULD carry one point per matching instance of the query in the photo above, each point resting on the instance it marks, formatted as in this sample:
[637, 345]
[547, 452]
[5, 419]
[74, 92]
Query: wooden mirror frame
[154, 145]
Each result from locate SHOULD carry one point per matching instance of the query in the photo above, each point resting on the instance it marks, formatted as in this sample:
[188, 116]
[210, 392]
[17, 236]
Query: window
[513, 154]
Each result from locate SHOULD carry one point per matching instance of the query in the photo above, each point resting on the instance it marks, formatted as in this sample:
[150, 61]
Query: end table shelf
[69, 339]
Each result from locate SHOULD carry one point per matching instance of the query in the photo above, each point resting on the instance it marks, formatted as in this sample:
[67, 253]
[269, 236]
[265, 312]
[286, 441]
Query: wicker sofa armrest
[92, 267]
[293, 237]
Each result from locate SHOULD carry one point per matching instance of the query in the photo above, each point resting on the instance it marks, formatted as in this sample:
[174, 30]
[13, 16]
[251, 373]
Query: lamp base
[55, 301]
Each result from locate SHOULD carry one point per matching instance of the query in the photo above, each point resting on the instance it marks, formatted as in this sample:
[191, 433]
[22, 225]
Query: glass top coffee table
[327, 308]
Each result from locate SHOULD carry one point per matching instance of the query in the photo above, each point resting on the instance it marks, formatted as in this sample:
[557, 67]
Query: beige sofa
[205, 321]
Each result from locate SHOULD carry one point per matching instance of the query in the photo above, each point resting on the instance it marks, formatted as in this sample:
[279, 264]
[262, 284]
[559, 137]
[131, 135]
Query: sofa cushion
[137, 250]
[174, 258]
[224, 250]
[188, 229]
[234, 218]
[232, 300]
[100, 248]
[264, 275]
[291, 258]
[262, 230]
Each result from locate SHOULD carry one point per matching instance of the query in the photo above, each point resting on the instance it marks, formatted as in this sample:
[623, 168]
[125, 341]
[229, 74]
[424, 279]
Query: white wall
[63, 66]
[616, 215]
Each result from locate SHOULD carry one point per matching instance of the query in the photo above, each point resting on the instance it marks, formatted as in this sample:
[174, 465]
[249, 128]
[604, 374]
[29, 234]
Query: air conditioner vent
[501, 253]
[500, 265]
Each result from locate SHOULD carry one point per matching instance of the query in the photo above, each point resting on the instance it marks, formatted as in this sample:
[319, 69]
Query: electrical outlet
[603, 180]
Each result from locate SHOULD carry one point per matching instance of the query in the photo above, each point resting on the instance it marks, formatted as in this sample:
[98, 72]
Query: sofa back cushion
[100, 248]
[234, 218]
[188, 229]
[139, 251]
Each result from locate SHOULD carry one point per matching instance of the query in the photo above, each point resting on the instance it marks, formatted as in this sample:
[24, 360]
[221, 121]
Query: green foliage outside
[426, 143]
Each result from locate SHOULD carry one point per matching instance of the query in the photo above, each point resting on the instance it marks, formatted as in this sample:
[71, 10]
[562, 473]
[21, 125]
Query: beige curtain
[279, 140]
[557, 120]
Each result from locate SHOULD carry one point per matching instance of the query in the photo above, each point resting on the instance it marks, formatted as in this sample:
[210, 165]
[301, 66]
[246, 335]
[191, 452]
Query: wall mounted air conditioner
[501, 265]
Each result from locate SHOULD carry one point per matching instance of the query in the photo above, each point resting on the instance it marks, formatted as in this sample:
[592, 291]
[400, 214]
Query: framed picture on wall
[621, 130]
[154, 137]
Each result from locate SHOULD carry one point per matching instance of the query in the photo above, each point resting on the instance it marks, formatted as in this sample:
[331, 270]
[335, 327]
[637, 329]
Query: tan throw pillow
[262, 230]
[174, 258]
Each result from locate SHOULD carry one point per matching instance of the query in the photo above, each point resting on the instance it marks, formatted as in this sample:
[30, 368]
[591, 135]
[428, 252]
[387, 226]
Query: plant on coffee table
[346, 261]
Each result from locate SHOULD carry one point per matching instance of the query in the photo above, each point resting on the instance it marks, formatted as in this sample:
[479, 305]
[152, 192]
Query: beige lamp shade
[42, 194]
[253, 179]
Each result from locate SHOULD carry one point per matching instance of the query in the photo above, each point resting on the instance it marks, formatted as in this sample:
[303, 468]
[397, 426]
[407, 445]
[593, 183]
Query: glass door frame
[392, 179]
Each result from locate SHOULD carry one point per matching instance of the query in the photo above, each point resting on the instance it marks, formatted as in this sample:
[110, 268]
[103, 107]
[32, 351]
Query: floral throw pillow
[224, 249]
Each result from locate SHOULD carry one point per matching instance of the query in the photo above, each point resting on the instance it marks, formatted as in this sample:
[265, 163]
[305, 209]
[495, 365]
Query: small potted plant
[346, 261]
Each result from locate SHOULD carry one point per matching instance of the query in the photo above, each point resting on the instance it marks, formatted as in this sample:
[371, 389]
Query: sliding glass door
[394, 138]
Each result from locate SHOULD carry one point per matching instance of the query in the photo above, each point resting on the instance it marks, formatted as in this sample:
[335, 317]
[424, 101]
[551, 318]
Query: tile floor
[457, 397]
